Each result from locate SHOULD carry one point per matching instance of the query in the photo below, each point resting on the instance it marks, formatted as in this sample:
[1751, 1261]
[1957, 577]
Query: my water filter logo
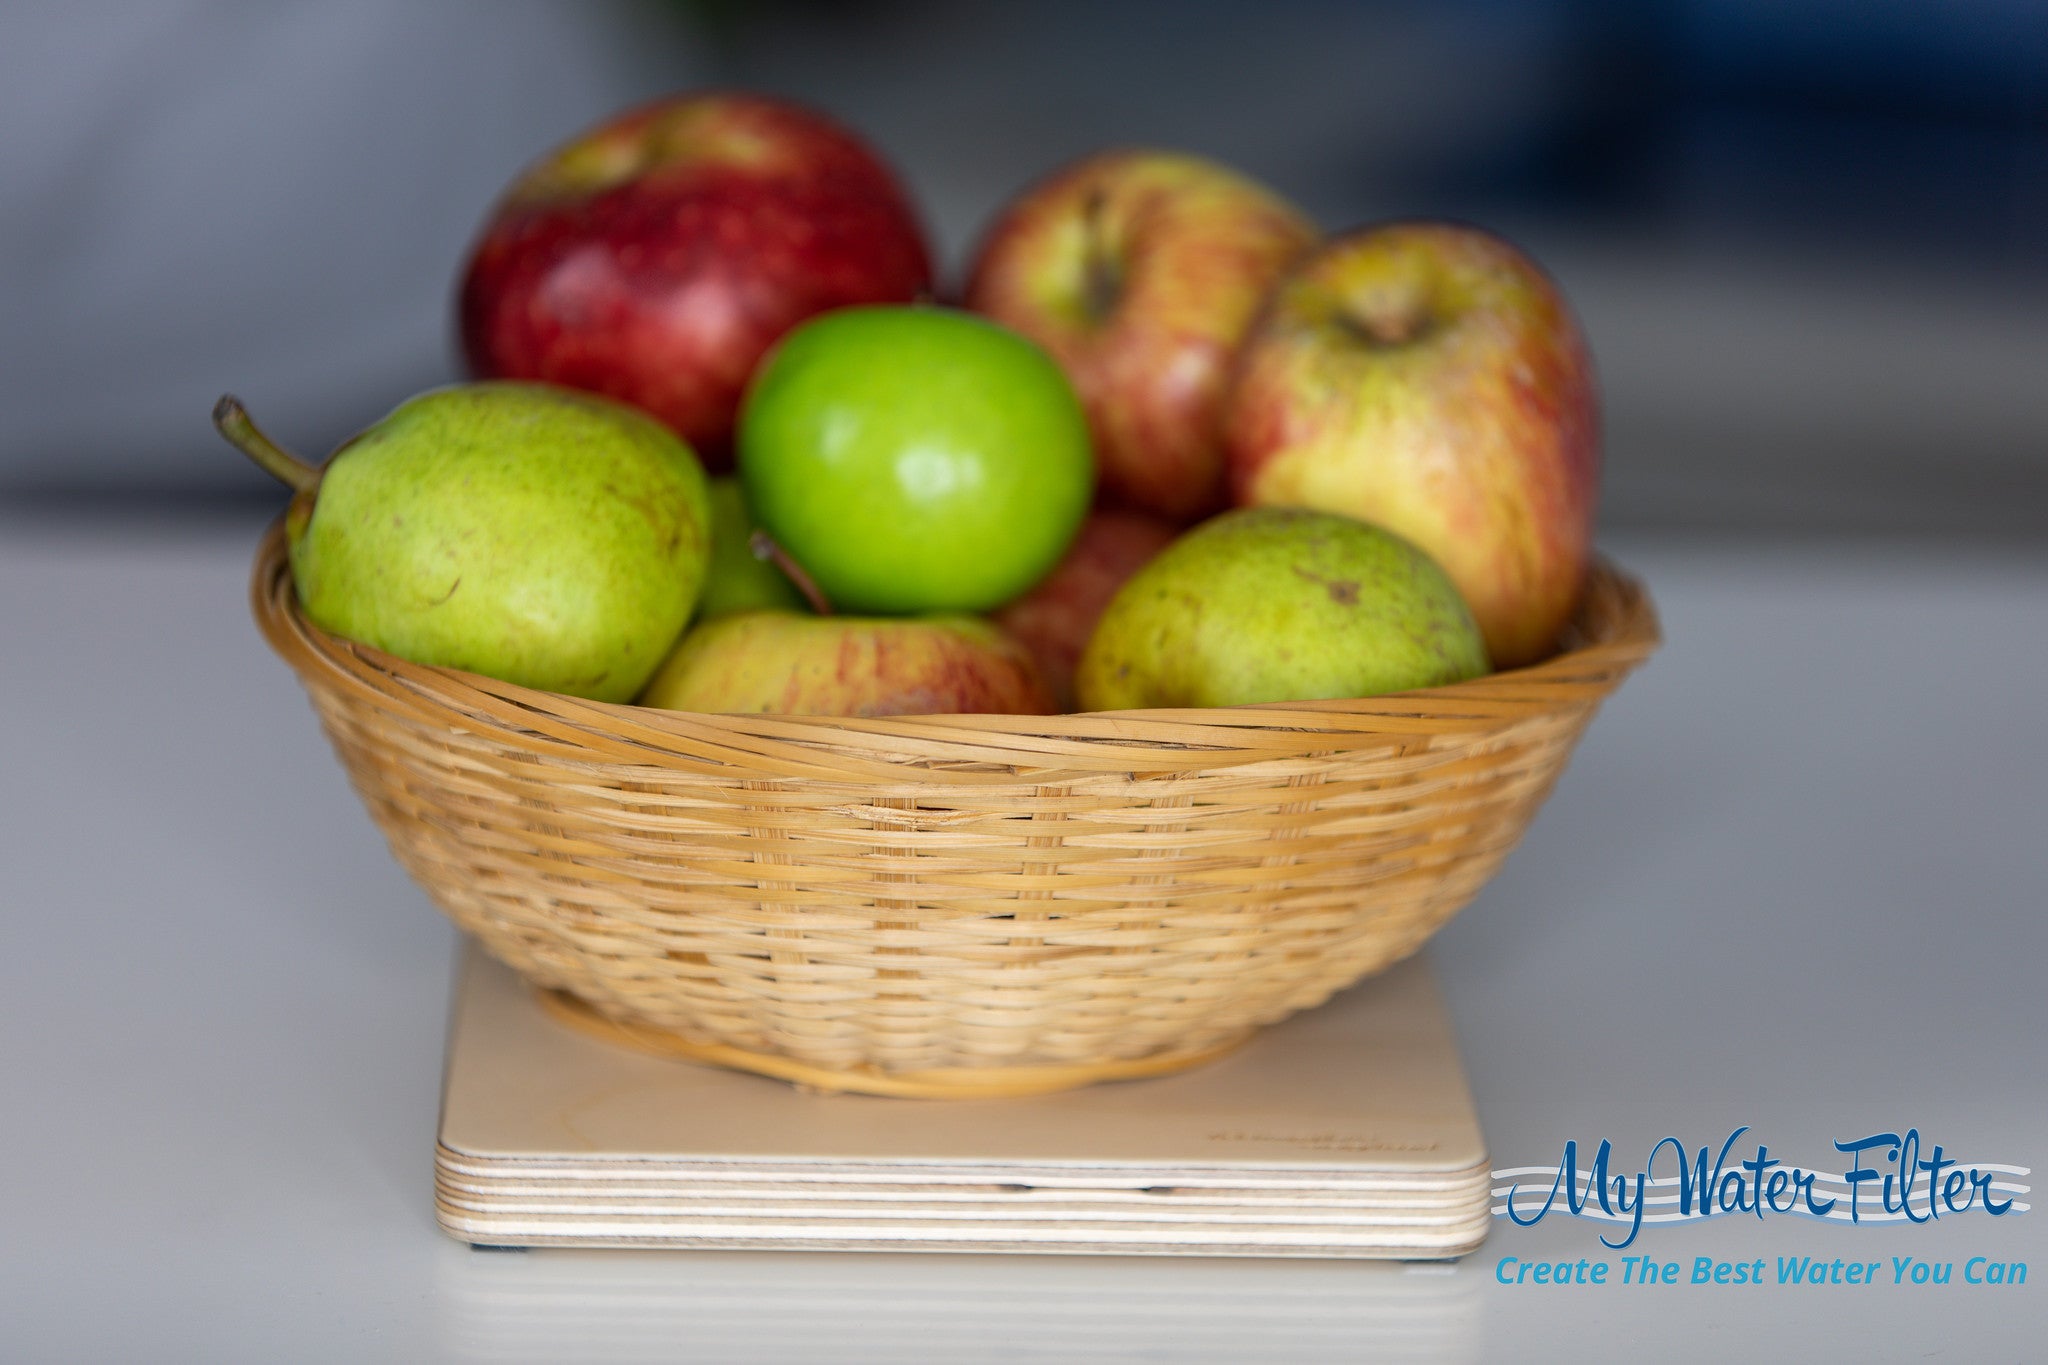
[1880, 1178]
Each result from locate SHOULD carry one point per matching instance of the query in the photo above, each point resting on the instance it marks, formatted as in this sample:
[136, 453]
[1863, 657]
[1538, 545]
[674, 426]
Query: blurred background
[1808, 238]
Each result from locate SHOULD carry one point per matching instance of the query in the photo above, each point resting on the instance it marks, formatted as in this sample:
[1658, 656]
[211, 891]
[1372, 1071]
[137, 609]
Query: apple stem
[232, 420]
[764, 547]
[1101, 280]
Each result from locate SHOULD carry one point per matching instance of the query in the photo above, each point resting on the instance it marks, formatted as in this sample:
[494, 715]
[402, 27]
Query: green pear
[793, 664]
[529, 533]
[1268, 604]
[740, 580]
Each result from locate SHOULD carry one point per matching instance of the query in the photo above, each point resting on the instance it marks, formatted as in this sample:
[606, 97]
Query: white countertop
[1795, 878]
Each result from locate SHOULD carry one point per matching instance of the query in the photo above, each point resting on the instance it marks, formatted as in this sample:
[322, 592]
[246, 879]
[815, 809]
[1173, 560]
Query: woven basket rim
[938, 904]
[1614, 630]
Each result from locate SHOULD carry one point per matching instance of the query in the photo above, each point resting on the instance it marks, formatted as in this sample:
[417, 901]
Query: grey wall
[273, 198]
[202, 194]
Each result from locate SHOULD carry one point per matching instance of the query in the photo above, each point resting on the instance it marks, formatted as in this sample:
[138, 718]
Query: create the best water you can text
[1777, 1270]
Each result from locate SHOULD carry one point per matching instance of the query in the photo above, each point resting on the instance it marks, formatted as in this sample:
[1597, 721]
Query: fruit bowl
[957, 904]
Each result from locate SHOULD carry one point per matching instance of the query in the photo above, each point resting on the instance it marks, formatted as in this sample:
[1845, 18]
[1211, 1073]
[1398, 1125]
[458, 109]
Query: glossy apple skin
[657, 257]
[792, 664]
[1055, 619]
[915, 459]
[1429, 378]
[1140, 272]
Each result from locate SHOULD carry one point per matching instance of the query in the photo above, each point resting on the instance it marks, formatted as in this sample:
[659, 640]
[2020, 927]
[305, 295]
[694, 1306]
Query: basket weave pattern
[923, 894]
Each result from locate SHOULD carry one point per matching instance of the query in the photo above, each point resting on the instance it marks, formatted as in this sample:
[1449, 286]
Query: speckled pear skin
[796, 664]
[522, 531]
[1269, 604]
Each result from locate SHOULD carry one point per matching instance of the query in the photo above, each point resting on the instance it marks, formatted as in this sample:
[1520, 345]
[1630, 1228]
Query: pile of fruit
[1174, 448]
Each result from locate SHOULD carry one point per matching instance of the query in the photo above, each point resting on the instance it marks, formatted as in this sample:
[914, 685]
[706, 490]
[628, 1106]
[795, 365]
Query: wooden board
[1347, 1131]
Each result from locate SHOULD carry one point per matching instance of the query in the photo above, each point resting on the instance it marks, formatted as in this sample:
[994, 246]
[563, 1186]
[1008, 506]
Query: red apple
[1140, 272]
[657, 257]
[1430, 378]
[1055, 619]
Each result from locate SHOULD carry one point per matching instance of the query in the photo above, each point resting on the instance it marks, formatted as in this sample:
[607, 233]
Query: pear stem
[763, 546]
[232, 420]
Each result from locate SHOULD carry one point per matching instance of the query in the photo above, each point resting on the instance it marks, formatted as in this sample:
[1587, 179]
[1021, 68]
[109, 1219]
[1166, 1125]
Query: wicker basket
[949, 905]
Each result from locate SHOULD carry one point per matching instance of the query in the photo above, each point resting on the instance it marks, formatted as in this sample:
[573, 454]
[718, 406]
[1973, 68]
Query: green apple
[789, 663]
[915, 458]
[739, 580]
[1271, 604]
[526, 532]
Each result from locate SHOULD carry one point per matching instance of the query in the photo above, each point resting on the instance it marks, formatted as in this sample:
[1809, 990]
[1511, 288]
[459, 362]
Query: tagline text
[1759, 1271]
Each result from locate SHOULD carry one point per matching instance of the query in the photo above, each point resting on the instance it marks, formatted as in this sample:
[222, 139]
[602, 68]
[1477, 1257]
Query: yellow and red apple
[1140, 271]
[1430, 379]
[792, 664]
